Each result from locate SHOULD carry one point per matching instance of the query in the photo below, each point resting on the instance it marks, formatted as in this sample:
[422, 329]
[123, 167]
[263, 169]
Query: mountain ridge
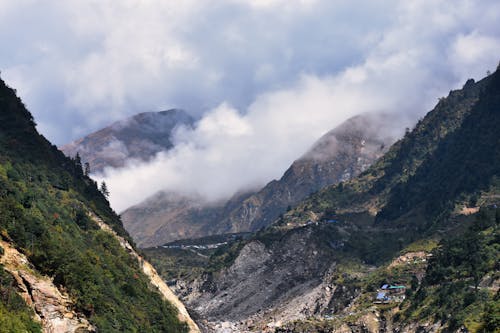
[338, 155]
[139, 137]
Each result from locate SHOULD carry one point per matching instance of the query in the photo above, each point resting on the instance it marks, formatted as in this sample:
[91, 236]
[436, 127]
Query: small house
[390, 294]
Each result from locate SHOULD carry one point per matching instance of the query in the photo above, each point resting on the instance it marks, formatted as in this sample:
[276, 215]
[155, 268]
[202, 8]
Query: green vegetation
[408, 201]
[15, 316]
[449, 158]
[426, 245]
[188, 259]
[457, 288]
[173, 264]
[44, 198]
[224, 256]
[463, 165]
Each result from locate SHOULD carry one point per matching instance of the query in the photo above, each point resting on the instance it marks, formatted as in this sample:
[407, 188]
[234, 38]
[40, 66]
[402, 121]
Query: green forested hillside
[464, 164]
[450, 158]
[44, 200]
[459, 285]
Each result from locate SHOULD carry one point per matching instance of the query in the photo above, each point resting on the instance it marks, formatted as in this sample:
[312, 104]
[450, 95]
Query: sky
[266, 78]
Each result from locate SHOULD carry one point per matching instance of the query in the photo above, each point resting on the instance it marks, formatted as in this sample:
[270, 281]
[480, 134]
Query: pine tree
[104, 189]
[78, 160]
[78, 165]
[86, 169]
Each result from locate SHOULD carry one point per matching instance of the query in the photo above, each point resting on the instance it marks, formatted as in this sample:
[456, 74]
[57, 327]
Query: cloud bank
[267, 78]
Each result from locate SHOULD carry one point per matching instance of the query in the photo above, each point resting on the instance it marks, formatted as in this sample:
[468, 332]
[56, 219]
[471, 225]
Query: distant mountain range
[139, 137]
[339, 155]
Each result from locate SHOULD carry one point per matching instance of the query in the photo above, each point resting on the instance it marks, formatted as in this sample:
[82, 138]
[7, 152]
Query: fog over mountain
[267, 78]
[139, 137]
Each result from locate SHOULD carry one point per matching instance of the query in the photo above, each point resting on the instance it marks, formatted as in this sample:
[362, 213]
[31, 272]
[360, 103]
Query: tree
[86, 169]
[78, 160]
[78, 165]
[104, 189]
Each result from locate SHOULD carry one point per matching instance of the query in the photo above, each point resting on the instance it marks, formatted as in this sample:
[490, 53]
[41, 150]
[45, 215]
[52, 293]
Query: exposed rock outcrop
[267, 285]
[53, 307]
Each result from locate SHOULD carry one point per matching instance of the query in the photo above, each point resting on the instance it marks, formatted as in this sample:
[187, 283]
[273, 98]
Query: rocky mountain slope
[63, 269]
[321, 267]
[339, 155]
[52, 307]
[139, 137]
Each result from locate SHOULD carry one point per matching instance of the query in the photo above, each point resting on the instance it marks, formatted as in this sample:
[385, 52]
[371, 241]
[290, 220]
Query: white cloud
[231, 150]
[89, 63]
[469, 53]
[260, 4]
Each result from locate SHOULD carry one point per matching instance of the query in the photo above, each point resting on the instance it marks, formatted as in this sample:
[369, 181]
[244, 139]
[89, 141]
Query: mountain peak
[139, 137]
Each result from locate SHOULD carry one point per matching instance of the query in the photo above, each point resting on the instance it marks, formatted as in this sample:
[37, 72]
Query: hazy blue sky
[267, 77]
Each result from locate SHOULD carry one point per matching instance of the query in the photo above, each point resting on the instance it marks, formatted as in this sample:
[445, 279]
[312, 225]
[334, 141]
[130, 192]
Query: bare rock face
[52, 306]
[140, 137]
[267, 284]
[339, 155]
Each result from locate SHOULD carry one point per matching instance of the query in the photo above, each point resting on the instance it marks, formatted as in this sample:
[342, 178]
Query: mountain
[422, 220]
[449, 160]
[139, 137]
[339, 155]
[66, 262]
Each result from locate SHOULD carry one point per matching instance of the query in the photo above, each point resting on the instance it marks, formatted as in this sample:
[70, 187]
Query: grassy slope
[458, 285]
[43, 198]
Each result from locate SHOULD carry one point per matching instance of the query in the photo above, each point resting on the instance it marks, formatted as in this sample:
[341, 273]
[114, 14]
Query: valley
[320, 266]
[250, 166]
[376, 238]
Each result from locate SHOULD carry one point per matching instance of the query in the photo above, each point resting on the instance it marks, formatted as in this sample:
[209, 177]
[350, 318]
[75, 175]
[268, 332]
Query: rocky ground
[52, 306]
